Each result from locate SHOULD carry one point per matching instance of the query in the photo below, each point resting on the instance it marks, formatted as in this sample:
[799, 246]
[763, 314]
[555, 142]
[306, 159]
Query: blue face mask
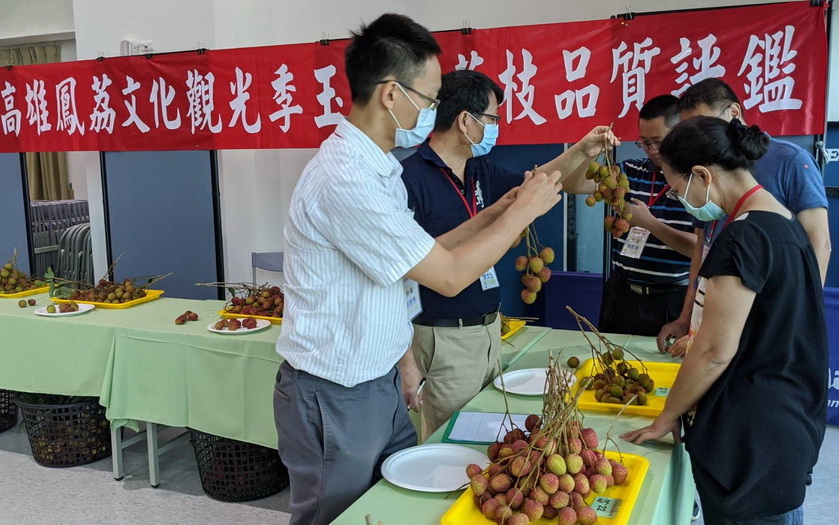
[708, 212]
[408, 138]
[486, 143]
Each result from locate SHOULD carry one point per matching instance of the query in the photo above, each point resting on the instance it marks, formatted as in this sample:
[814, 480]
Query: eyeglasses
[648, 145]
[671, 193]
[432, 102]
[495, 118]
[723, 111]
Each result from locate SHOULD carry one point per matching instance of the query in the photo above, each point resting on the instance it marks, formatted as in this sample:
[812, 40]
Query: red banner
[559, 81]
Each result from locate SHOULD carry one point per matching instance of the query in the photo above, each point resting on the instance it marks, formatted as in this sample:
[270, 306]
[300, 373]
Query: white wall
[25, 21]
[256, 186]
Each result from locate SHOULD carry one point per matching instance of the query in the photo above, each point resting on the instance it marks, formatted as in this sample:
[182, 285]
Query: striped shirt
[350, 240]
[658, 264]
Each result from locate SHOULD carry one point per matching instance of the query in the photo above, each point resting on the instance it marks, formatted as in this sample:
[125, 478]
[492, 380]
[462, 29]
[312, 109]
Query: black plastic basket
[67, 435]
[231, 470]
[8, 409]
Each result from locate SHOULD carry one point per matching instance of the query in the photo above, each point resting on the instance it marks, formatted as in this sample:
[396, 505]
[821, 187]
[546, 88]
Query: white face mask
[487, 142]
[408, 138]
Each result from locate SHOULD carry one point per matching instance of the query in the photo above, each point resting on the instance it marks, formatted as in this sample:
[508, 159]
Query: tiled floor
[32, 494]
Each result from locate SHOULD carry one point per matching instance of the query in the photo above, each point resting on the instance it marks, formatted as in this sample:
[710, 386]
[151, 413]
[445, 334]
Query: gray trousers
[334, 439]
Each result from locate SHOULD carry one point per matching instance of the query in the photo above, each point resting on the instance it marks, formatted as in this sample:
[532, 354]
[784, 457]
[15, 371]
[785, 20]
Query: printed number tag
[489, 280]
[412, 298]
[661, 392]
[635, 242]
[606, 507]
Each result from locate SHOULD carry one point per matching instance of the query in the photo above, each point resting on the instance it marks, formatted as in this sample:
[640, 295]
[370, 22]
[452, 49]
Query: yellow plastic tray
[231, 315]
[151, 295]
[34, 291]
[664, 375]
[515, 326]
[614, 506]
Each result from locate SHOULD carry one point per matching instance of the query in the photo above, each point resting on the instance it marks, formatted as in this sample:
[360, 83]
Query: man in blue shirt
[650, 263]
[457, 341]
[786, 171]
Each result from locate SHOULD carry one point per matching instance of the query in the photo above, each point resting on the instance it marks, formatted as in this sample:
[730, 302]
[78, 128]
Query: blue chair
[270, 261]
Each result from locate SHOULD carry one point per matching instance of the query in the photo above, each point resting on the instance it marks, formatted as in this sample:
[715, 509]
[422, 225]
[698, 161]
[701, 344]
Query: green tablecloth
[146, 368]
[65, 356]
[667, 494]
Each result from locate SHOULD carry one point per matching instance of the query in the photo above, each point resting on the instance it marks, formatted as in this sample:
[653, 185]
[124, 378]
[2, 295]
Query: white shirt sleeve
[372, 228]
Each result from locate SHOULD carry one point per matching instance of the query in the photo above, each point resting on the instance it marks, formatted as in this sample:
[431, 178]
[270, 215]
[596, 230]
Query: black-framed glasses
[648, 145]
[433, 103]
[495, 118]
[724, 110]
[671, 193]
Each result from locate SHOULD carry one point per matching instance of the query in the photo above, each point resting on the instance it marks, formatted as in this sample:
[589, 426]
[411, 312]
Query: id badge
[412, 298]
[635, 242]
[489, 280]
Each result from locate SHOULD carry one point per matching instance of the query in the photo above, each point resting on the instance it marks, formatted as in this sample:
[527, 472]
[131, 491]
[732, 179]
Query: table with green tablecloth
[666, 496]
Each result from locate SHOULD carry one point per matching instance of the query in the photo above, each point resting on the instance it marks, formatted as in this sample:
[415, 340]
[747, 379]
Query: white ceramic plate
[528, 382]
[437, 467]
[83, 308]
[261, 324]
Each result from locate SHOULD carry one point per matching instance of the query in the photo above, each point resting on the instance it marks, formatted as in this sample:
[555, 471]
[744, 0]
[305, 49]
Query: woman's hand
[657, 430]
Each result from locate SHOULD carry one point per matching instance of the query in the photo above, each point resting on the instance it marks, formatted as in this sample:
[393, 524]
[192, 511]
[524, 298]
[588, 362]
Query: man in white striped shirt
[350, 242]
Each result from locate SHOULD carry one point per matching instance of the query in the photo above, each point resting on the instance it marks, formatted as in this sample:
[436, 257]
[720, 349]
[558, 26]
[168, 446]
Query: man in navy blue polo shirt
[650, 263]
[457, 341]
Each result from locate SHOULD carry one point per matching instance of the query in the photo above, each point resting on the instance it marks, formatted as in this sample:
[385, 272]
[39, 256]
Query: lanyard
[740, 203]
[652, 200]
[474, 209]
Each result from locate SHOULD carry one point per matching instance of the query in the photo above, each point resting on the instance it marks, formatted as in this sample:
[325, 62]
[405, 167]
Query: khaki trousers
[457, 364]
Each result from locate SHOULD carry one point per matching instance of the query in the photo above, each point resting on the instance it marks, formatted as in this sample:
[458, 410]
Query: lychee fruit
[590, 438]
[489, 508]
[549, 483]
[598, 483]
[556, 464]
[575, 445]
[520, 467]
[566, 483]
[518, 519]
[560, 499]
[501, 483]
[515, 497]
[581, 483]
[532, 420]
[521, 263]
[603, 467]
[586, 515]
[620, 473]
[492, 451]
[472, 469]
[503, 514]
[574, 463]
[540, 495]
[567, 516]
[589, 457]
[577, 499]
[549, 513]
[533, 509]
[478, 483]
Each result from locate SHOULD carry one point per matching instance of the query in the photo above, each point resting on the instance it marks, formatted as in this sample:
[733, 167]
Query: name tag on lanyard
[489, 280]
[635, 242]
[412, 298]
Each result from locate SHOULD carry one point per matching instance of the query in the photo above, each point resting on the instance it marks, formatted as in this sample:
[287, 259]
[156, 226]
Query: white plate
[528, 382]
[438, 467]
[83, 308]
[261, 324]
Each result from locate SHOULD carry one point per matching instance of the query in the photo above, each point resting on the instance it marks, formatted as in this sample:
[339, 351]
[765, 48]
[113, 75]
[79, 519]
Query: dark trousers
[334, 439]
[623, 311]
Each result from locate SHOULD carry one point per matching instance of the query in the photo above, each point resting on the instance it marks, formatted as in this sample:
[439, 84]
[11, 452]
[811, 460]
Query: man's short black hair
[392, 46]
[666, 106]
[713, 92]
[464, 91]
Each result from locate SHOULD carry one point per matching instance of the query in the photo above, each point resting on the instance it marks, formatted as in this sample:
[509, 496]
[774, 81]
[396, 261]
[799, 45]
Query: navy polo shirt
[434, 195]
